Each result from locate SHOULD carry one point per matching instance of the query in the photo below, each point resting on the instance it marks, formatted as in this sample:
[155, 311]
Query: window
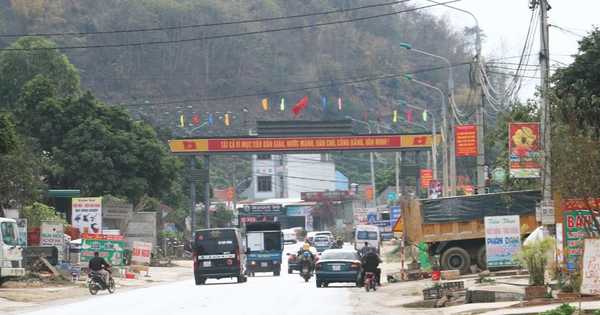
[264, 183]
[263, 156]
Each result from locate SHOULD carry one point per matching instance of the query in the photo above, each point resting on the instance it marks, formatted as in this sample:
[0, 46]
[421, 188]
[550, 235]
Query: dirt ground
[51, 288]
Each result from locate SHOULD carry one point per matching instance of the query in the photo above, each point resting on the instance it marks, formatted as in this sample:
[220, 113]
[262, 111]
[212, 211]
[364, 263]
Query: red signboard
[230, 193]
[369, 193]
[466, 140]
[105, 237]
[295, 144]
[426, 176]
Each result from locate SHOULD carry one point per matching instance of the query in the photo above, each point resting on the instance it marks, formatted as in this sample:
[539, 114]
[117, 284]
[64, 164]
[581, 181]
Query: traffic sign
[398, 225]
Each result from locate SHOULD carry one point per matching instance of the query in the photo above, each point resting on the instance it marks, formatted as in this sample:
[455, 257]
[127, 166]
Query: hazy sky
[506, 22]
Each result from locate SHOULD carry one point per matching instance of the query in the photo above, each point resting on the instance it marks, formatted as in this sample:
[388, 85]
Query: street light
[478, 110]
[410, 122]
[397, 159]
[433, 145]
[203, 124]
[372, 167]
[444, 144]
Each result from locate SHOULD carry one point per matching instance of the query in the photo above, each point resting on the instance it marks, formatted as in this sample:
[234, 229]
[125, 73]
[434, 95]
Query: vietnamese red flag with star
[196, 119]
[300, 105]
[409, 115]
[189, 145]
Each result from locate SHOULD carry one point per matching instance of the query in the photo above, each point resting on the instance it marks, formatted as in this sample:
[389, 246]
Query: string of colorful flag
[296, 110]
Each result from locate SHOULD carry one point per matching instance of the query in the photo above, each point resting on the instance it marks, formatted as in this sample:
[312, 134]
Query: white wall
[307, 172]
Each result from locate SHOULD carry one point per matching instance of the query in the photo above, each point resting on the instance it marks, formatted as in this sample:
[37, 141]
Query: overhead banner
[523, 149]
[466, 140]
[294, 144]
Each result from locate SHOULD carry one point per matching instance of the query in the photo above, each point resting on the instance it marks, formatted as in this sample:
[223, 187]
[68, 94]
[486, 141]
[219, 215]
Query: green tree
[222, 217]
[21, 173]
[28, 57]
[581, 83]
[8, 138]
[38, 212]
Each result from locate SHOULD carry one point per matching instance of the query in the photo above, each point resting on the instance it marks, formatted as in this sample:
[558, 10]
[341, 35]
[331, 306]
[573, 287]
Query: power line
[224, 36]
[205, 25]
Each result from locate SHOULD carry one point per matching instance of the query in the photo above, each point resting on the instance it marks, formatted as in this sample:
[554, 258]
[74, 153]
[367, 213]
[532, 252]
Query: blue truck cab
[264, 240]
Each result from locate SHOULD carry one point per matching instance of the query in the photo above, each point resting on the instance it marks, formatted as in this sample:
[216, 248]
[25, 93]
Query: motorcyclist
[365, 250]
[371, 263]
[301, 257]
[97, 265]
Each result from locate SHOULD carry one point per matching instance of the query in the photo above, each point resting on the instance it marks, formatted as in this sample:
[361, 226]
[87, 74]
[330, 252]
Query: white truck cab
[11, 252]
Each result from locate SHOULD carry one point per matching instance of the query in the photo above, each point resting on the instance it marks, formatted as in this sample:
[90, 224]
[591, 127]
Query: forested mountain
[165, 59]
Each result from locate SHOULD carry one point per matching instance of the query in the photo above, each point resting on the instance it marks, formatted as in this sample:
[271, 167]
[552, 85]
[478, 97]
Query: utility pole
[547, 205]
[479, 112]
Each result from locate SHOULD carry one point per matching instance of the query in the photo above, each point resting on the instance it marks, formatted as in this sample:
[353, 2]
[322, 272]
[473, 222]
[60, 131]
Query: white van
[367, 233]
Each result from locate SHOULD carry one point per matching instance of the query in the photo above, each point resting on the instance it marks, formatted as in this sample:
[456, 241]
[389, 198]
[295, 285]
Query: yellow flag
[395, 116]
[226, 119]
[181, 118]
[265, 106]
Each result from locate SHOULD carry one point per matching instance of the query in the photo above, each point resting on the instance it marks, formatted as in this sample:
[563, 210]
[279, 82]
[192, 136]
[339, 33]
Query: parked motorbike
[96, 283]
[306, 269]
[370, 281]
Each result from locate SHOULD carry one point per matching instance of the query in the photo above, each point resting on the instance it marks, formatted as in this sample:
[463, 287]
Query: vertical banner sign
[110, 248]
[436, 188]
[230, 193]
[578, 219]
[22, 229]
[502, 240]
[466, 140]
[52, 234]
[369, 193]
[523, 141]
[590, 277]
[426, 176]
[140, 256]
[87, 215]
[360, 215]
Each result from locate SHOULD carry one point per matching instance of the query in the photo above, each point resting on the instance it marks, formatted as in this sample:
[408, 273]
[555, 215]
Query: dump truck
[454, 228]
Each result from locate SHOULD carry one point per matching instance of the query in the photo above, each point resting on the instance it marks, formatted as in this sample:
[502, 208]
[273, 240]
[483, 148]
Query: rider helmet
[373, 249]
[306, 246]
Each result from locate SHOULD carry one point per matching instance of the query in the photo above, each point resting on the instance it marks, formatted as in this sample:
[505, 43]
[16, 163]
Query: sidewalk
[400, 295]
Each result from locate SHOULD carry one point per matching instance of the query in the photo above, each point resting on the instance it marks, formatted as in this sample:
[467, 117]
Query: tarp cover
[263, 226]
[476, 207]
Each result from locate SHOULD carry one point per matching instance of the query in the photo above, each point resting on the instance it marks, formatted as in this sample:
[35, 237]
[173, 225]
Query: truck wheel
[482, 258]
[200, 280]
[456, 258]
[276, 273]
[290, 270]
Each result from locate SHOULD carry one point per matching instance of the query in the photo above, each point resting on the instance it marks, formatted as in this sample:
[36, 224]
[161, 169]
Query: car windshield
[9, 233]
[215, 242]
[367, 235]
[338, 254]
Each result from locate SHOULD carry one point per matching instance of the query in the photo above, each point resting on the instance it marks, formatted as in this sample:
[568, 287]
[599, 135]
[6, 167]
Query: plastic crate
[431, 294]
[454, 285]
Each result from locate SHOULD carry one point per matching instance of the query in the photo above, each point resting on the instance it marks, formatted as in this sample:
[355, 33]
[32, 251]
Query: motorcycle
[96, 283]
[370, 281]
[306, 269]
